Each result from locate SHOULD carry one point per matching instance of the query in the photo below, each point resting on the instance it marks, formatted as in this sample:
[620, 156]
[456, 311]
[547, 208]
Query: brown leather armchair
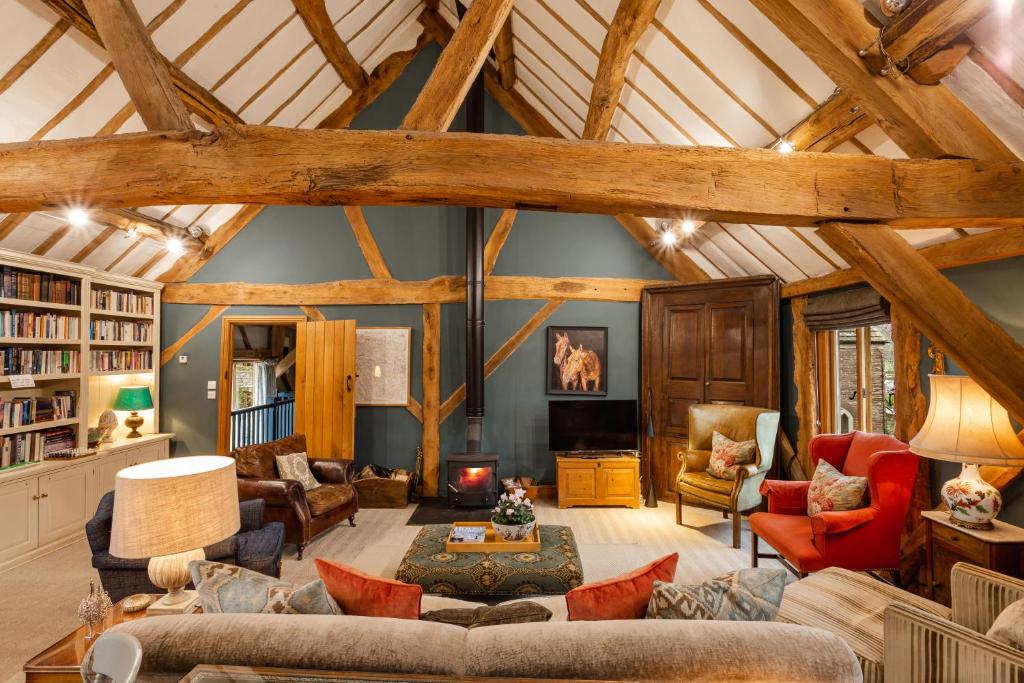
[305, 514]
[739, 423]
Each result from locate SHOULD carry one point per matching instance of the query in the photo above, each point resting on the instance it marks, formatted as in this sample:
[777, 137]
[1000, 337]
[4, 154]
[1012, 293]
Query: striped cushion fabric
[850, 605]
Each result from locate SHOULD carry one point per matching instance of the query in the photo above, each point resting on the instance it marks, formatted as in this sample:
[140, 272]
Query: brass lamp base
[133, 422]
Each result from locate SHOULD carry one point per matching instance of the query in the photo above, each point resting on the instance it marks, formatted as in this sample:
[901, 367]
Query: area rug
[436, 511]
[554, 570]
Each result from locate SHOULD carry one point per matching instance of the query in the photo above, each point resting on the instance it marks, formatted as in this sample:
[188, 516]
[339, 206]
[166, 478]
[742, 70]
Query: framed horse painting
[577, 361]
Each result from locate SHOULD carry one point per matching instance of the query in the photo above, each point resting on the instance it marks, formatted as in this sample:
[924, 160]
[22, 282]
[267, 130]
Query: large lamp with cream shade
[966, 425]
[168, 510]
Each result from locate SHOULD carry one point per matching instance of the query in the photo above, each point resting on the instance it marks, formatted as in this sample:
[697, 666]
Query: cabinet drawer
[969, 547]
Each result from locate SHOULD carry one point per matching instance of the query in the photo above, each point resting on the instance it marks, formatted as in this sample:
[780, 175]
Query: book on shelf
[44, 287]
[19, 449]
[468, 534]
[19, 411]
[122, 302]
[21, 361]
[120, 330]
[31, 324]
[128, 361]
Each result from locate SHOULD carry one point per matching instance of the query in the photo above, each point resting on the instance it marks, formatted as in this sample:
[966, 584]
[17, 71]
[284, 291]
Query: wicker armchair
[923, 648]
[255, 547]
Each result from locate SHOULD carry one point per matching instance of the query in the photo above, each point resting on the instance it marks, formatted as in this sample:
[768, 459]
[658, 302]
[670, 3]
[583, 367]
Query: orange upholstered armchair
[864, 539]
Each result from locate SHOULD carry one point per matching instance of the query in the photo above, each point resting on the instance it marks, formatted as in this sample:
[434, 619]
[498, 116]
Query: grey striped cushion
[850, 605]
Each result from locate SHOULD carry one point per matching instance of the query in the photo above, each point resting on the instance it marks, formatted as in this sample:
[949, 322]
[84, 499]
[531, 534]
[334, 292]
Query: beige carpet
[40, 598]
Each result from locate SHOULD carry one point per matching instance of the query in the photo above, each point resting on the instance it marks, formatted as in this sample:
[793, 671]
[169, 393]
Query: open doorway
[257, 386]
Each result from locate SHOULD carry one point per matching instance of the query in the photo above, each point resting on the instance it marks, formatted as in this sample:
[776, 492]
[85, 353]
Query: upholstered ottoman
[555, 570]
[851, 605]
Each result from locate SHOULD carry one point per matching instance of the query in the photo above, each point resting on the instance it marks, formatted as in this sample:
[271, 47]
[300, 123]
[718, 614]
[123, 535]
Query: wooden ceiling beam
[142, 69]
[458, 66]
[505, 56]
[632, 17]
[936, 306]
[314, 15]
[993, 245]
[197, 99]
[927, 39]
[267, 165]
[925, 121]
[837, 120]
[445, 289]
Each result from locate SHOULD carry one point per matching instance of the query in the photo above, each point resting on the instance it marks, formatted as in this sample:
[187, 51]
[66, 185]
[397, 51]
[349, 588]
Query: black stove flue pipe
[474, 286]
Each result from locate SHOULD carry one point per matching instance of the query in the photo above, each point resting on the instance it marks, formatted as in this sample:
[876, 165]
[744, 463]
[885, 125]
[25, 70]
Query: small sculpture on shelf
[94, 608]
[107, 423]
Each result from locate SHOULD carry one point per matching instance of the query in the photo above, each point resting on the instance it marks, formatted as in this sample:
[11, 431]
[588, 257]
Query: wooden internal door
[711, 342]
[325, 376]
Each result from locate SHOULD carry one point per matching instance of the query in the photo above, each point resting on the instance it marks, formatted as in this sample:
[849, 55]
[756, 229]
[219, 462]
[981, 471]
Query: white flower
[527, 502]
[508, 512]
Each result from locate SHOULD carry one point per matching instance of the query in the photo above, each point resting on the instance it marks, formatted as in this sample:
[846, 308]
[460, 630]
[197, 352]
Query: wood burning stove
[472, 479]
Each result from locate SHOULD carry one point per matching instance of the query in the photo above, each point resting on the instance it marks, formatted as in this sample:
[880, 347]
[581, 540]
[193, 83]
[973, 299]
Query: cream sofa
[656, 650]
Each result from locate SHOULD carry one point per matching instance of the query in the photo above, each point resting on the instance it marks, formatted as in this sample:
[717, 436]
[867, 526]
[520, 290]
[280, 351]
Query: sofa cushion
[852, 606]
[1008, 628]
[369, 596]
[225, 588]
[831, 490]
[727, 455]
[707, 482]
[522, 612]
[791, 536]
[257, 461]
[296, 466]
[622, 597]
[743, 595]
[327, 497]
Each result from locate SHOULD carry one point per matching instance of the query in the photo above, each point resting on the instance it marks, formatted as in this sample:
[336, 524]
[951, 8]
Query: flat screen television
[589, 426]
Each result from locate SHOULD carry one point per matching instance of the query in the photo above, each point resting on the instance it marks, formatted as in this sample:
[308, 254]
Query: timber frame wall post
[806, 381]
[431, 442]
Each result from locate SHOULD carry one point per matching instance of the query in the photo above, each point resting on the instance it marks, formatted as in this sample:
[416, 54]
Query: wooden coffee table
[61, 661]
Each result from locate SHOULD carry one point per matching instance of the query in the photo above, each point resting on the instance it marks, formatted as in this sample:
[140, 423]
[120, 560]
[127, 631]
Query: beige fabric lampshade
[965, 424]
[170, 506]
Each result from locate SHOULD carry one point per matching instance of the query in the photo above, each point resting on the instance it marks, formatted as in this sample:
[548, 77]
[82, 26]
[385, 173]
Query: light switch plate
[182, 359]
[211, 394]
[211, 384]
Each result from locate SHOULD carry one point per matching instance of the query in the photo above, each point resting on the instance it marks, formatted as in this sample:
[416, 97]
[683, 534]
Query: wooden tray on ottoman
[493, 543]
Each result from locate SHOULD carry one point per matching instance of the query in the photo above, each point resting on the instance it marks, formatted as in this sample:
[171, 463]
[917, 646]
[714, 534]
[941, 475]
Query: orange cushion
[363, 595]
[623, 597]
[791, 536]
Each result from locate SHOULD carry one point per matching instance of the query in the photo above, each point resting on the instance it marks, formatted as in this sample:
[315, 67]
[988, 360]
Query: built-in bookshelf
[79, 334]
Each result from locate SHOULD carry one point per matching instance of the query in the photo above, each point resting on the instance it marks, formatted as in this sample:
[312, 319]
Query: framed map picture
[383, 363]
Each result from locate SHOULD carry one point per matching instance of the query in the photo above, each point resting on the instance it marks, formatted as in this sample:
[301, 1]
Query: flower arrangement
[513, 509]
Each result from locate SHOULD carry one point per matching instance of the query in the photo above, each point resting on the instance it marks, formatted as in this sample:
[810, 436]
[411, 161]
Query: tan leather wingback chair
[739, 423]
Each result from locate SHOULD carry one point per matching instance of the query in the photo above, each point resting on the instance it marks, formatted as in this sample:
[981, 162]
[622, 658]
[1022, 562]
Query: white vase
[514, 532]
[972, 501]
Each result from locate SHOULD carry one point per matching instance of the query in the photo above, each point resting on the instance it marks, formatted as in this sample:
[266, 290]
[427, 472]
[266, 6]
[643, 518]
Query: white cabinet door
[19, 518]
[104, 472]
[64, 505]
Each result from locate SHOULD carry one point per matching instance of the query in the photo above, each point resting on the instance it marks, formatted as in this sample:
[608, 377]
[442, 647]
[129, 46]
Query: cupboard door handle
[35, 497]
[348, 383]
[44, 495]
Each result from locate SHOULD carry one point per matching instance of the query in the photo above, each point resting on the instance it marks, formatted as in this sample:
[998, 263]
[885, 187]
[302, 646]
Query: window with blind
[854, 362]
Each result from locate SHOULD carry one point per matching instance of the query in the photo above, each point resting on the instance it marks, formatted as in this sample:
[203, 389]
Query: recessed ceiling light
[78, 217]
[689, 227]
[669, 238]
[175, 246]
[1005, 6]
[784, 147]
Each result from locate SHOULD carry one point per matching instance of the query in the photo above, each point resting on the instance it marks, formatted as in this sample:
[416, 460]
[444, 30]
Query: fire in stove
[472, 479]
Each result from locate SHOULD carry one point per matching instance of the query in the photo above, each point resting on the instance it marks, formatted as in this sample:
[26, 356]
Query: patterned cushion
[743, 595]
[514, 613]
[296, 466]
[225, 588]
[830, 490]
[1008, 628]
[727, 455]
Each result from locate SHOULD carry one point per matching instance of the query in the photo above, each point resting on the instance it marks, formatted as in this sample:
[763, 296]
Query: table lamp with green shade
[133, 398]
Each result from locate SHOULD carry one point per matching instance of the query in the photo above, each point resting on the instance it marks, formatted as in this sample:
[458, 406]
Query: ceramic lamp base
[973, 503]
[171, 572]
[133, 422]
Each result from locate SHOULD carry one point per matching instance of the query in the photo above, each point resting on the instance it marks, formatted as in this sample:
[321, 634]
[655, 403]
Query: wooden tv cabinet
[602, 479]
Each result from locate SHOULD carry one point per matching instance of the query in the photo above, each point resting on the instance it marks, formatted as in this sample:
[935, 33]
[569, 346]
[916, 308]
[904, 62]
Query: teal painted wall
[315, 244]
[996, 289]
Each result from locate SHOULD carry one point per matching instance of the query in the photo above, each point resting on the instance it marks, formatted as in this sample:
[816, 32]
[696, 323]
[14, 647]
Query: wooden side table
[60, 663]
[1000, 549]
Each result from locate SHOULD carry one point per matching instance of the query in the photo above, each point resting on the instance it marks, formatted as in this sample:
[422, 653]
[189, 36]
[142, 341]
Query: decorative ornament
[94, 608]
[136, 603]
[973, 502]
[938, 360]
[108, 423]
